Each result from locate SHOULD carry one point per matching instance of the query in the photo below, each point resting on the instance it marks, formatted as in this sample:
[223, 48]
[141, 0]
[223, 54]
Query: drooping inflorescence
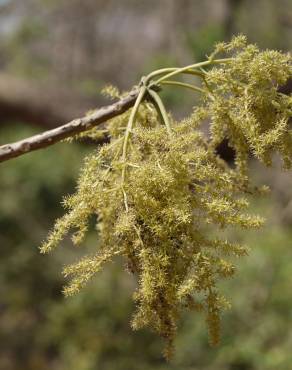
[161, 195]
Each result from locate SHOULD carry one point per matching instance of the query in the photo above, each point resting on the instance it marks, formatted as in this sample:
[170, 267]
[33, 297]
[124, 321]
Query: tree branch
[72, 128]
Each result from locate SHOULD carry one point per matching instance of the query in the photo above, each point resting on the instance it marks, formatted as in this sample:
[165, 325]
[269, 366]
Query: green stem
[130, 125]
[168, 70]
[197, 65]
[161, 108]
[182, 84]
[132, 120]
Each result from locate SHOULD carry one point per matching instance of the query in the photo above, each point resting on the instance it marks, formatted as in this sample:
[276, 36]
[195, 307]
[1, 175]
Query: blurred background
[55, 56]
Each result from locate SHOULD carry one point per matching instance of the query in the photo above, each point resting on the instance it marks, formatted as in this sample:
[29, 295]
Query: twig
[50, 137]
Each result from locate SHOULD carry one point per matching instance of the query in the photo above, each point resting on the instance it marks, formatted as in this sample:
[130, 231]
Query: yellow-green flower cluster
[162, 197]
[176, 190]
[247, 107]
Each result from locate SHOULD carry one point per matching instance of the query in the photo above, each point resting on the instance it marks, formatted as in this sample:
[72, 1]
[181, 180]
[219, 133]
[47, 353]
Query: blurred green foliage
[266, 22]
[41, 330]
[201, 42]
[19, 47]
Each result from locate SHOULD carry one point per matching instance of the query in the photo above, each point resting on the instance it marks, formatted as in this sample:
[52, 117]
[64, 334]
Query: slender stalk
[197, 65]
[172, 69]
[162, 109]
[132, 120]
[182, 84]
[129, 128]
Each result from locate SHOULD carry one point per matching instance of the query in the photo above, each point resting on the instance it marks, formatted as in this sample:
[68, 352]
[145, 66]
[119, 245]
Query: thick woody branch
[72, 128]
